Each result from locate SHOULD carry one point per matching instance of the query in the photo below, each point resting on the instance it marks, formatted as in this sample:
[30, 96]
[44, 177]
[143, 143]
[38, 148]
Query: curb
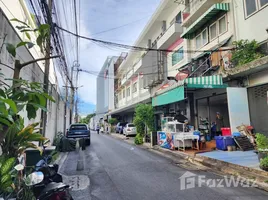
[259, 177]
[61, 159]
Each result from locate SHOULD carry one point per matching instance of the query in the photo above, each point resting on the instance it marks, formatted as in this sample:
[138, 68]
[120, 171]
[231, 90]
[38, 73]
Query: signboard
[165, 140]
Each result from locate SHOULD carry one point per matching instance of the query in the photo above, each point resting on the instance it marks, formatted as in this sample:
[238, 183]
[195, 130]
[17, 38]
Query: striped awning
[208, 15]
[205, 82]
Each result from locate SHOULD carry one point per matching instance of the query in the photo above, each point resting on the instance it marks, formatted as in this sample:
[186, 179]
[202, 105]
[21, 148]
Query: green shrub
[113, 121]
[245, 52]
[264, 162]
[144, 116]
[261, 141]
[138, 139]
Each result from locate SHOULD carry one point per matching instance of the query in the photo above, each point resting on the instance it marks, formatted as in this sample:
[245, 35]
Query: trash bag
[67, 145]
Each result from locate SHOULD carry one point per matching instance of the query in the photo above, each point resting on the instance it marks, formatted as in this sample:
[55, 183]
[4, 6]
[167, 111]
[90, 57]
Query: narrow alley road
[118, 171]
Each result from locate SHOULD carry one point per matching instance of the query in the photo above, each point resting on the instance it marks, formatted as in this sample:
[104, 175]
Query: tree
[42, 31]
[86, 119]
[144, 117]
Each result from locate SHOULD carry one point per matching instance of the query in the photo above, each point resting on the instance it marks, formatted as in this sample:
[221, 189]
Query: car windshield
[131, 125]
[78, 127]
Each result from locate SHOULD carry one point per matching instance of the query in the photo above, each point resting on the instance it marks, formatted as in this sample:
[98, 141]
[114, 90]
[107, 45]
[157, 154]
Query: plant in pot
[264, 164]
[262, 145]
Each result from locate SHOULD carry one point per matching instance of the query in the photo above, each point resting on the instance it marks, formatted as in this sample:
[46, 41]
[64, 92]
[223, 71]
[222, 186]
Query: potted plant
[264, 164]
[262, 145]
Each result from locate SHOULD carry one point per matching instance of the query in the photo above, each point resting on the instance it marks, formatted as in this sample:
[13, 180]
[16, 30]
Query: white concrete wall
[18, 9]
[31, 73]
[253, 27]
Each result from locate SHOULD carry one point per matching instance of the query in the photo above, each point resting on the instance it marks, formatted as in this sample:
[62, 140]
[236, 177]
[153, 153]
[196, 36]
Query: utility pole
[72, 97]
[47, 65]
[66, 102]
[76, 102]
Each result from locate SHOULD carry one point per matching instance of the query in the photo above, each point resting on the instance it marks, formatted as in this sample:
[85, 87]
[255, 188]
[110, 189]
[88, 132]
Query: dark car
[120, 127]
[79, 131]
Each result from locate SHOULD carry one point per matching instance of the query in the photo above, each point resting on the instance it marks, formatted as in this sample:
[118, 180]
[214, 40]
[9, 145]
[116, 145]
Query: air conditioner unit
[171, 110]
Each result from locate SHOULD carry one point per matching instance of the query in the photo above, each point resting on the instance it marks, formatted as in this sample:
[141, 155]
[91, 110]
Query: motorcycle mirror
[19, 167]
[34, 178]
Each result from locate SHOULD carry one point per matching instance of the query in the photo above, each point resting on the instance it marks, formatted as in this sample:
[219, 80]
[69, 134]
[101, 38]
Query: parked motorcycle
[50, 171]
[51, 191]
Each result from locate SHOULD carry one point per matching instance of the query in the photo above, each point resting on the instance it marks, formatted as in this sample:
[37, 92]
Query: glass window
[251, 6]
[134, 89]
[131, 125]
[213, 31]
[178, 18]
[222, 25]
[205, 37]
[263, 2]
[198, 42]
[128, 91]
[177, 56]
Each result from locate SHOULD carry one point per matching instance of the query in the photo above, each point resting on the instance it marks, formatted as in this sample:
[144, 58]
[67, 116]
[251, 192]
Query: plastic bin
[223, 141]
[236, 134]
[226, 131]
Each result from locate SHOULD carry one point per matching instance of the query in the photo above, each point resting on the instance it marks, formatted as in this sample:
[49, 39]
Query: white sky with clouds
[97, 16]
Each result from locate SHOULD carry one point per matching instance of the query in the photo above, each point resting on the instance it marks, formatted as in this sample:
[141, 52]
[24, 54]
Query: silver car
[129, 129]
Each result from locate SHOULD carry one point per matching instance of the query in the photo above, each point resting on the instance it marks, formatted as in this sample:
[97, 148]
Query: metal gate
[258, 108]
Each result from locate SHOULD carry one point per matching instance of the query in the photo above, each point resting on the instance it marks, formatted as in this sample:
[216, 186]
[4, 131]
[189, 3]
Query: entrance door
[259, 108]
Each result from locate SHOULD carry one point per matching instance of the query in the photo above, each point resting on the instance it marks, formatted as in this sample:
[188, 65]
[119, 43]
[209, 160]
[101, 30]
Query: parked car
[79, 131]
[130, 129]
[119, 127]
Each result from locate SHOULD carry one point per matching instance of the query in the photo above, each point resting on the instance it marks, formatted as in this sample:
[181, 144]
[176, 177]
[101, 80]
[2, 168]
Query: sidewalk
[220, 162]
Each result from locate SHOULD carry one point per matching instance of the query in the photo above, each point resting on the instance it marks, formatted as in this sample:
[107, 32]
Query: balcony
[169, 36]
[195, 9]
[209, 14]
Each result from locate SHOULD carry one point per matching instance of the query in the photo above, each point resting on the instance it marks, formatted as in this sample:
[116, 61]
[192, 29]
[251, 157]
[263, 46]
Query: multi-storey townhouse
[141, 71]
[250, 23]
[105, 90]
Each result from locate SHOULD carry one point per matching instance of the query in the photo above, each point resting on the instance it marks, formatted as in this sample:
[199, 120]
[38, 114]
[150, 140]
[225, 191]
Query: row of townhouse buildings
[187, 65]
[57, 116]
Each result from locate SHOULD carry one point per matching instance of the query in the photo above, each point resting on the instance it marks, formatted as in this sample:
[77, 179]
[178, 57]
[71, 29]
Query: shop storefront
[209, 97]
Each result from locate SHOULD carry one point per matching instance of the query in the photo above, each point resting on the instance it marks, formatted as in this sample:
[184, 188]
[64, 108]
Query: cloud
[97, 16]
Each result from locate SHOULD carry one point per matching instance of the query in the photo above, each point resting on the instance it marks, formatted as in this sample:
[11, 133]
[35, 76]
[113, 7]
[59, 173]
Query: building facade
[105, 89]
[187, 66]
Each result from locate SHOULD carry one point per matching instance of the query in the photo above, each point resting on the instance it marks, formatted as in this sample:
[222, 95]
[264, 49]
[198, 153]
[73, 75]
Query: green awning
[177, 94]
[168, 97]
[205, 82]
[209, 14]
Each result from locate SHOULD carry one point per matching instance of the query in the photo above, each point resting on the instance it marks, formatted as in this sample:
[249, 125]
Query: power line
[136, 47]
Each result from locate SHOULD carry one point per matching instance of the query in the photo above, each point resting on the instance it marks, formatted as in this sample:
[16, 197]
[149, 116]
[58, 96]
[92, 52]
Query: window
[177, 56]
[213, 31]
[134, 88]
[263, 2]
[178, 18]
[124, 94]
[201, 39]
[222, 25]
[204, 37]
[128, 91]
[251, 6]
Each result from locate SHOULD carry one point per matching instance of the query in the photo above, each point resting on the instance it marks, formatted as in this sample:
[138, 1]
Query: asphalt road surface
[118, 171]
